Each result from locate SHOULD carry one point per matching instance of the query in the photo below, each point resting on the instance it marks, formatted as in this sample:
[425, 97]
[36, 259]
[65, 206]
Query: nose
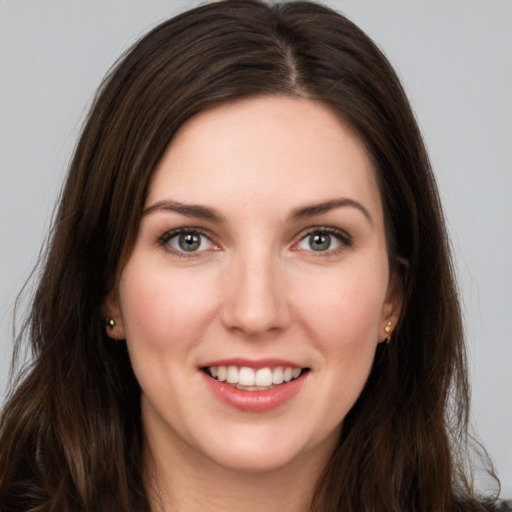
[255, 296]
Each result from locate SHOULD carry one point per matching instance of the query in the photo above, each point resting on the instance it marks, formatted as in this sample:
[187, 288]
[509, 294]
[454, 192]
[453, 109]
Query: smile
[250, 379]
[255, 386]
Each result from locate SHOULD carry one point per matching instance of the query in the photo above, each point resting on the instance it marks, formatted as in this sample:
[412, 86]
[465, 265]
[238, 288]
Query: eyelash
[345, 240]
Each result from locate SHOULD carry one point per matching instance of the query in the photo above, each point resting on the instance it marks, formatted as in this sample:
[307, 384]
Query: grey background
[455, 60]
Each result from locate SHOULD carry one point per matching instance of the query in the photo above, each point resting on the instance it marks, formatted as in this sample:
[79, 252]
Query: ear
[392, 306]
[112, 315]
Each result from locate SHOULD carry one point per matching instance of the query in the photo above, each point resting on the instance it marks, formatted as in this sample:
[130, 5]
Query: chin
[264, 451]
[256, 461]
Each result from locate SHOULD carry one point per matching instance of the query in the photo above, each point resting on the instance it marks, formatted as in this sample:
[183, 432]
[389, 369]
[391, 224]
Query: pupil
[189, 242]
[320, 242]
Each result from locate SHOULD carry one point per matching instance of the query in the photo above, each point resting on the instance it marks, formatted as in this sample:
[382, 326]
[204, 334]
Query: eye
[187, 241]
[324, 240]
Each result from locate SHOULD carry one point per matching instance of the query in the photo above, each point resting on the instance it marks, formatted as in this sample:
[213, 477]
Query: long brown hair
[71, 435]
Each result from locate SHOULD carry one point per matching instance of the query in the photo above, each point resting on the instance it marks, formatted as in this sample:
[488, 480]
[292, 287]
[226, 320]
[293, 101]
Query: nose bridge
[254, 301]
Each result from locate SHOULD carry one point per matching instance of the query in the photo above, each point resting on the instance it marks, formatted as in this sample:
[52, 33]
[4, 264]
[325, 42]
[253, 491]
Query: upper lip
[255, 364]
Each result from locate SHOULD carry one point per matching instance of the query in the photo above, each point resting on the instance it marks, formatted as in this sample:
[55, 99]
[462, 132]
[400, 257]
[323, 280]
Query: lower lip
[255, 401]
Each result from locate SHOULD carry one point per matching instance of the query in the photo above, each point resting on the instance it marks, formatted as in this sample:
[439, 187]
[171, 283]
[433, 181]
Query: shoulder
[502, 506]
[498, 506]
[490, 506]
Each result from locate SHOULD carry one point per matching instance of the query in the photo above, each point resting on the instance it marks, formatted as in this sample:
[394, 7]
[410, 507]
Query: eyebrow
[305, 212]
[301, 213]
[189, 210]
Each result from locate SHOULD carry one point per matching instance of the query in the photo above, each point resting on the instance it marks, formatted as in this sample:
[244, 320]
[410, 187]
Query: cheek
[164, 308]
[344, 308]
[341, 313]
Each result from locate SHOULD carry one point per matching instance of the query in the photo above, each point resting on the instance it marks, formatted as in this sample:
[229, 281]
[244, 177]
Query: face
[258, 287]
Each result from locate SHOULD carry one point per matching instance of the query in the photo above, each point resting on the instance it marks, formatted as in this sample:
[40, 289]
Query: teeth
[277, 375]
[232, 375]
[247, 377]
[264, 377]
[221, 373]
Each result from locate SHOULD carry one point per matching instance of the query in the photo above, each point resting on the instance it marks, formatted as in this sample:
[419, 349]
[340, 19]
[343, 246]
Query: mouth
[249, 379]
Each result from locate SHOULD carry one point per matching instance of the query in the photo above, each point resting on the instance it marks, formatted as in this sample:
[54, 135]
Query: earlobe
[112, 317]
[392, 307]
[388, 330]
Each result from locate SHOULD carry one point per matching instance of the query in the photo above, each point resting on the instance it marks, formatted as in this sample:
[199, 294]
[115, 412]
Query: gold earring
[110, 323]
[388, 331]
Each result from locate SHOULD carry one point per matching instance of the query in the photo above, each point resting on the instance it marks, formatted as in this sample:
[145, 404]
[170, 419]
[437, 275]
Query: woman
[248, 299]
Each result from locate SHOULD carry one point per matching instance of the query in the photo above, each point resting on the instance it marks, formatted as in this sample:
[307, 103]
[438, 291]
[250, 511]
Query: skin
[255, 289]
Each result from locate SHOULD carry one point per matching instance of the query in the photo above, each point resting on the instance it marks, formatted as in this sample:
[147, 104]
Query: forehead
[278, 150]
